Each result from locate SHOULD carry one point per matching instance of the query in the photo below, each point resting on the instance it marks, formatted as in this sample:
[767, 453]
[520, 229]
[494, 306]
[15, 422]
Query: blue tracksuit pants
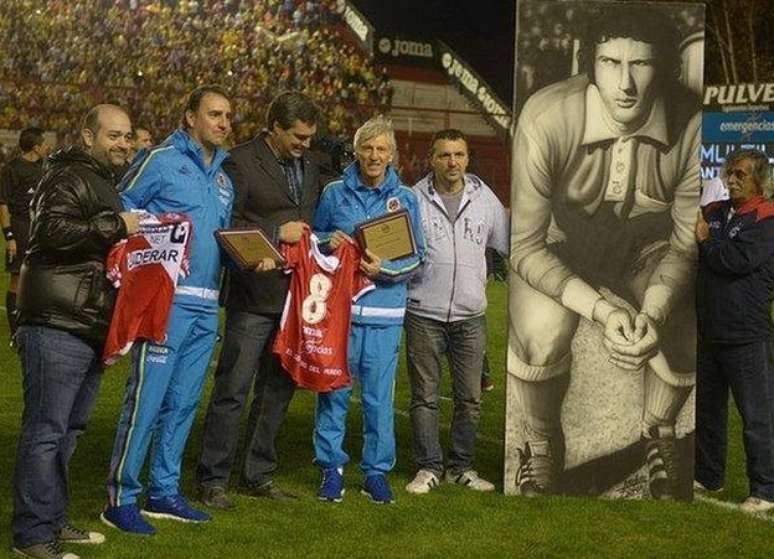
[373, 358]
[163, 390]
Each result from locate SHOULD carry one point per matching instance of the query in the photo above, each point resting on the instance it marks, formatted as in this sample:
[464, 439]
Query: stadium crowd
[151, 51]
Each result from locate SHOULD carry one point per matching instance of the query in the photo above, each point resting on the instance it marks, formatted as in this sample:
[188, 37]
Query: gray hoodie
[451, 285]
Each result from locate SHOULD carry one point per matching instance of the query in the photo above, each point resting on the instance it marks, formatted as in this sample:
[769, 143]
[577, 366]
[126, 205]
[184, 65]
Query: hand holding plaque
[390, 236]
[370, 264]
[248, 247]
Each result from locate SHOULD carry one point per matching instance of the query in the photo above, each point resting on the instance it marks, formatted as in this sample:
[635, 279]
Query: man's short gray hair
[761, 170]
[374, 127]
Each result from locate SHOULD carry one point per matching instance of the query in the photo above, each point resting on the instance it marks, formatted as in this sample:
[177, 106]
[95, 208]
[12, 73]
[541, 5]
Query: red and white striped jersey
[313, 338]
[145, 269]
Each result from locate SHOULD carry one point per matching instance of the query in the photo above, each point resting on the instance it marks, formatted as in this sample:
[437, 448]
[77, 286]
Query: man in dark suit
[277, 187]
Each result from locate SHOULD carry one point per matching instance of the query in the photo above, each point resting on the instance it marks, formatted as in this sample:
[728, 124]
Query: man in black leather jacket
[65, 303]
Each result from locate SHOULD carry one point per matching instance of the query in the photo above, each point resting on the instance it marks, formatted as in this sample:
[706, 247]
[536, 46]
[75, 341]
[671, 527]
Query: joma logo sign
[397, 47]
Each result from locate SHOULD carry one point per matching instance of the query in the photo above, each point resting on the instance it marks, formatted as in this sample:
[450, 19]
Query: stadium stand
[153, 51]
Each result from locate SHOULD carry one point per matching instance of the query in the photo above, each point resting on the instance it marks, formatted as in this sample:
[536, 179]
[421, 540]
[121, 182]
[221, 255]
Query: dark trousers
[246, 338]
[61, 381]
[747, 371]
[427, 341]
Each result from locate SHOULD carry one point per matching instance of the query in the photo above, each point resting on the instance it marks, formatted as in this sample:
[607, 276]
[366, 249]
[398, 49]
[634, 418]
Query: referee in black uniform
[17, 183]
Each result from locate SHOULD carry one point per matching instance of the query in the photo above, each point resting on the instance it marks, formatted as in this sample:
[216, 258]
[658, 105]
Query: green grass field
[449, 522]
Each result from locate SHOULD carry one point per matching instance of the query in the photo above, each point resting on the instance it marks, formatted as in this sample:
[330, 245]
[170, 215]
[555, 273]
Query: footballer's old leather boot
[661, 458]
[537, 471]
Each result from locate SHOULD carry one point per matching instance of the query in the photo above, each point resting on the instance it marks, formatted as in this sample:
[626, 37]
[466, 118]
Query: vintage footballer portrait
[604, 195]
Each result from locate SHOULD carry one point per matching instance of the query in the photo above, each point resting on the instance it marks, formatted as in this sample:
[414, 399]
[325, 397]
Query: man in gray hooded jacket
[461, 217]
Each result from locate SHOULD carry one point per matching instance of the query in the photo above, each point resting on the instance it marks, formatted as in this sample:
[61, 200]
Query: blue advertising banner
[738, 127]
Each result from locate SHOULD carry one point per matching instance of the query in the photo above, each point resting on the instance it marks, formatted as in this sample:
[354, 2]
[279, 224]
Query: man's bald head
[106, 134]
[92, 119]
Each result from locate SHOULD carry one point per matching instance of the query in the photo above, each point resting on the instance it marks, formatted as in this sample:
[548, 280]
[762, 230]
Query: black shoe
[215, 497]
[267, 490]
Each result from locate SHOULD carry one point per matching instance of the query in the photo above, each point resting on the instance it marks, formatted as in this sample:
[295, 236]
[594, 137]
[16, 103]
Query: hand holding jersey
[131, 221]
[370, 263]
[337, 238]
[292, 231]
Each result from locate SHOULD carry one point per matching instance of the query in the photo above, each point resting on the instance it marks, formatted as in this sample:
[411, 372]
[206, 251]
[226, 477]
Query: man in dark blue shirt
[733, 295]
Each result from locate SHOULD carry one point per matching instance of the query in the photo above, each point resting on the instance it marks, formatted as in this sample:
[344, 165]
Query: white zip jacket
[451, 285]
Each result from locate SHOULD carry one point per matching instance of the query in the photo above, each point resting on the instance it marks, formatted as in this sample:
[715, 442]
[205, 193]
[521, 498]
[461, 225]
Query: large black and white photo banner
[604, 195]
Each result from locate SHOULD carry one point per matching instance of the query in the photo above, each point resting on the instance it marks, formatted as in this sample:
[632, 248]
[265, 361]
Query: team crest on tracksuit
[224, 192]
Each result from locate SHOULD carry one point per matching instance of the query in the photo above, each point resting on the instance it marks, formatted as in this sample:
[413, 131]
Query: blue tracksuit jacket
[347, 202]
[174, 178]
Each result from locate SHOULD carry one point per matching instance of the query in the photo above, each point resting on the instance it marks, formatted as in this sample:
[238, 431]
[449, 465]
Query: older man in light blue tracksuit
[369, 189]
[461, 217]
[182, 175]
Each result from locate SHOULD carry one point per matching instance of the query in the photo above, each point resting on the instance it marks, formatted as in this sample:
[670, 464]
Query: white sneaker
[423, 482]
[471, 480]
[756, 505]
[699, 487]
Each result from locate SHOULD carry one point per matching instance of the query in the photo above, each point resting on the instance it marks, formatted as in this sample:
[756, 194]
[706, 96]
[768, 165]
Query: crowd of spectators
[152, 51]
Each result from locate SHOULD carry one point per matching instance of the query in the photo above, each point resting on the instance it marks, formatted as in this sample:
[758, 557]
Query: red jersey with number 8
[313, 338]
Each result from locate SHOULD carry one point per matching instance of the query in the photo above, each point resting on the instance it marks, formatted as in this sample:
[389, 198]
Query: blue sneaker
[377, 489]
[174, 507]
[332, 485]
[127, 519]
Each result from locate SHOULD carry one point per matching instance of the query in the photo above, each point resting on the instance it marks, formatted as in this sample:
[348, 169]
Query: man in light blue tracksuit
[182, 175]
[369, 188]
